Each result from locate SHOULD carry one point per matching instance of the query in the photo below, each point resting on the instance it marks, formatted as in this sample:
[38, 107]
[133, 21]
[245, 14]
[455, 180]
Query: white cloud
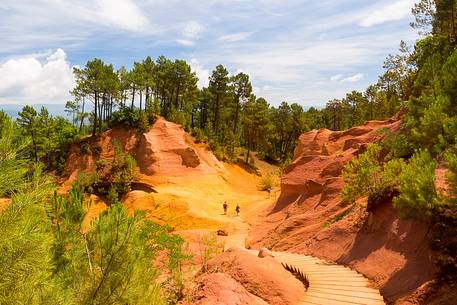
[32, 80]
[235, 37]
[124, 14]
[202, 73]
[185, 42]
[392, 11]
[193, 29]
[353, 79]
[291, 60]
[336, 77]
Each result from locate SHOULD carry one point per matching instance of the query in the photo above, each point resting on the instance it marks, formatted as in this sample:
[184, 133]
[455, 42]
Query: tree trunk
[34, 145]
[247, 155]
[371, 110]
[95, 119]
[177, 97]
[100, 112]
[82, 116]
[216, 115]
[141, 100]
[133, 98]
[237, 110]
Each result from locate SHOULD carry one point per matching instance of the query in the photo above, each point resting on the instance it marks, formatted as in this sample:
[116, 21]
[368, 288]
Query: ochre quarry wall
[310, 217]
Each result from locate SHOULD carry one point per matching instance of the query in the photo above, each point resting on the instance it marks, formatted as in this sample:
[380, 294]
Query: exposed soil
[310, 217]
[189, 186]
[263, 277]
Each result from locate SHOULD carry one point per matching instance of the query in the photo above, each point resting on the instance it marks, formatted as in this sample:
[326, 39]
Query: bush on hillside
[114, 261]
[430, 131]
[85, 149]
[133, 118]
[267, 182]
[416, 184]
[124, 169]
[126, 116]
[398, 145]
[199, 135]
[370, 175]
[143, 123]
[362, 176]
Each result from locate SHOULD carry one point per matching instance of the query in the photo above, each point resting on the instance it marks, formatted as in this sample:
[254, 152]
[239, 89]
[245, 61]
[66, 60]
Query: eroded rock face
[263, 277]
[221, 289]
[165, 151]
[310, 218]
[264, 252]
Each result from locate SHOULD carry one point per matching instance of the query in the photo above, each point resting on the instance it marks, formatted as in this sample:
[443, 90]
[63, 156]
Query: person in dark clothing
[237, 209]
[225, 206]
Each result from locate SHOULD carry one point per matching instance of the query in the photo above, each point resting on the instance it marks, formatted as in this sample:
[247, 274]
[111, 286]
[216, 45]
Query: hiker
[237, 209]
[269, 192]
[225, 206]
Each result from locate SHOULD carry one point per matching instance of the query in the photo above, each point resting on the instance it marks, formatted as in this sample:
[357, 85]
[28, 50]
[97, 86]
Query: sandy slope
[191, 184]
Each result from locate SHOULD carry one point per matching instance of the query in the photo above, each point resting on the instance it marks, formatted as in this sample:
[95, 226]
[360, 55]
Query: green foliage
[113, 261]
[267, 182]
[143, 123]
[86, 181]
[451, 175]
[362, 176]
[25, 263]
[209, 247]
[126, 116]
[85, 149]
[124, 170]
[199, 135]
[444, 220]
[49, 135]
[416, 184]
[370, 175]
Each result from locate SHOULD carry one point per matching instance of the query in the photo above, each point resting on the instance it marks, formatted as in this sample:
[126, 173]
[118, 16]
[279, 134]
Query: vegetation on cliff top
[403, 166]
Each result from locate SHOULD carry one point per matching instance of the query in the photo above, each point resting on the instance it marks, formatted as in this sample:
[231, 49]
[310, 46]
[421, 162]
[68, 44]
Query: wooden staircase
[331, 284]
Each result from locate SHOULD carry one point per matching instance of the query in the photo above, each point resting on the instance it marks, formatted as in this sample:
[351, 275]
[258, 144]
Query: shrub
[143, 123]
[369, 176]
[267, 182]
[114, 261]
[100, 165]
[444, 240]
[416, 184]
[199, 135]
[97, 150]
[451, 176]
[85, 149]
[124, 169]
[113, 195]
[126, 116]
[363, 174]
[430, 133]
[398, 145]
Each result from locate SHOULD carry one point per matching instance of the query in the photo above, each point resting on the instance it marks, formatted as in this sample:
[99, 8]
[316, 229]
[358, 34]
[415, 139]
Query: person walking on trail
[225, 206]
[237, 209]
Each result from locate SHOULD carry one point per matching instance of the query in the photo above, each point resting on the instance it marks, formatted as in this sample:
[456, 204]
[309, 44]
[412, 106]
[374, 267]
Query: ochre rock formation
[310, 217]
[263, 277]
[163, 154]
[221, 289]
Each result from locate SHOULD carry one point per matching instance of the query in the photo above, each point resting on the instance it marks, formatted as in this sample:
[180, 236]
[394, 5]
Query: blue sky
[300, 51]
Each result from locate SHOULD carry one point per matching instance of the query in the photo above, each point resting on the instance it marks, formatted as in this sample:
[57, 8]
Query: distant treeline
[226, 114]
